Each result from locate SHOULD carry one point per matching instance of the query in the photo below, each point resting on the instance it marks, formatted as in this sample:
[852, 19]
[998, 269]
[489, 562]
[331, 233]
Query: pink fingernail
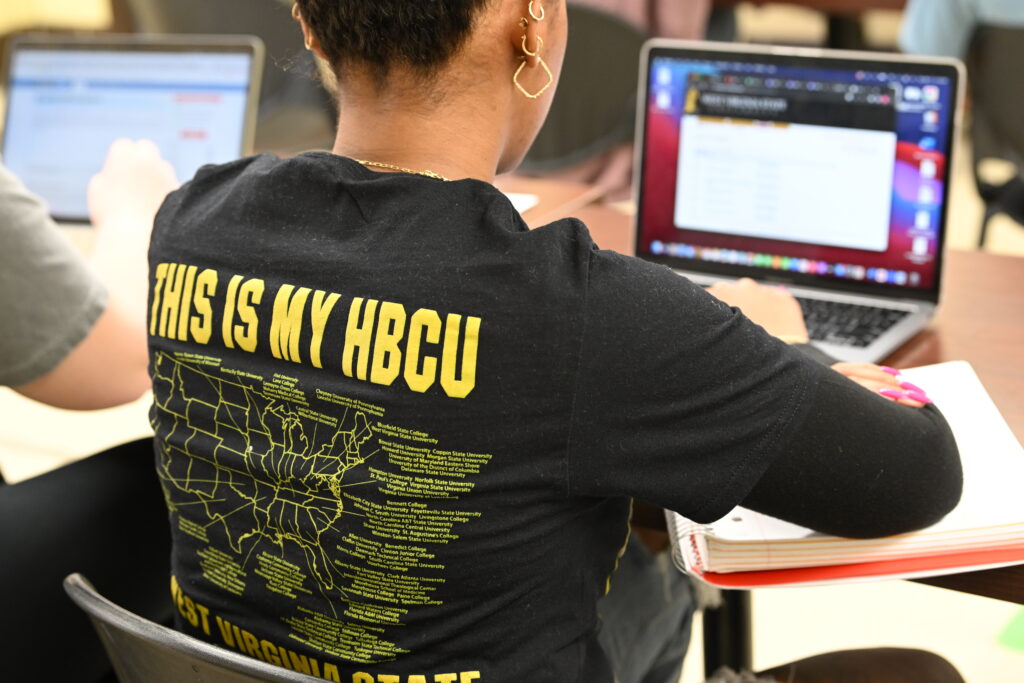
[892, 393]
[912, 387]
[891, 371]
[918, 396]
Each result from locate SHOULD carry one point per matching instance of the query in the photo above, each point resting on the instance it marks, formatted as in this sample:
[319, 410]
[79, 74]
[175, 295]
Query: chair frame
[991, 49]
[108, 617]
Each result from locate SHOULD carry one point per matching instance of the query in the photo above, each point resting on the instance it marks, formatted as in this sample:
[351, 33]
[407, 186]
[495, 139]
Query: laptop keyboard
[846, 324]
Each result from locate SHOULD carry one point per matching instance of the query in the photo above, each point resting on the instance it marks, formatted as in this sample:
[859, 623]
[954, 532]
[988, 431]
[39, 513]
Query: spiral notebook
[746, 549]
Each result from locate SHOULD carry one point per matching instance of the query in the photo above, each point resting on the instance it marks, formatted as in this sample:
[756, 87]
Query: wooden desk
[981, 320]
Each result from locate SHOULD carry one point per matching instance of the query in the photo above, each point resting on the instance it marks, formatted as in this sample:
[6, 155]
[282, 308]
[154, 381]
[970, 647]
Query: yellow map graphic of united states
[242, 465]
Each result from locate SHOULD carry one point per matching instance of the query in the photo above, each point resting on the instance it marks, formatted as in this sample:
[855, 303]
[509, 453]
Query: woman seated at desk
[399, 432]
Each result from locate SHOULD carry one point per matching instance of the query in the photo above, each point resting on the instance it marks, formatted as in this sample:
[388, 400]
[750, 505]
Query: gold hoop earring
[536, 53]
[533, 96]
[533, 15]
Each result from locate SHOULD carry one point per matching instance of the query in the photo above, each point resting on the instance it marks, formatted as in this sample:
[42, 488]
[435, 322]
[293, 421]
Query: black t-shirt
[398, 431]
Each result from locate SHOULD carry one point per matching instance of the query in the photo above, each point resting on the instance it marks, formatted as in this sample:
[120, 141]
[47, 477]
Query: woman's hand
[884, 381]
[773, 308]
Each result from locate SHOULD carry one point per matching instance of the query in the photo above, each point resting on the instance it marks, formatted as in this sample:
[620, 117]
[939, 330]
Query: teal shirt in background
[945, 27]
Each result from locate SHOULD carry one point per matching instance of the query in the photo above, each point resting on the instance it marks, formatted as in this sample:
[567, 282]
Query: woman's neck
[455, 135]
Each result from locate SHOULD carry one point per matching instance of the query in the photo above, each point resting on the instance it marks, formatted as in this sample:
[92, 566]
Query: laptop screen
[809, 170]
[67, 103]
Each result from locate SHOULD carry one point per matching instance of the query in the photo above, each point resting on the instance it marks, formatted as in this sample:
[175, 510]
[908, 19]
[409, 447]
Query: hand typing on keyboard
[773, 308]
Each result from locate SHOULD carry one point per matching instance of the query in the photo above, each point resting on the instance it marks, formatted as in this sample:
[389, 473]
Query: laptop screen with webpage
[831, 169]
[68, 101]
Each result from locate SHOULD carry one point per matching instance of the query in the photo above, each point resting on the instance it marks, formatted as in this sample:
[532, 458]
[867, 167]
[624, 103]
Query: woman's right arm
[686, 403]
[862, 466]
[898, 465]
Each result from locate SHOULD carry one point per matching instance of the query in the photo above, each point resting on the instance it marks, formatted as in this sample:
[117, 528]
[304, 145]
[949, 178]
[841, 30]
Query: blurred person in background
[680, 19]
[944, 27]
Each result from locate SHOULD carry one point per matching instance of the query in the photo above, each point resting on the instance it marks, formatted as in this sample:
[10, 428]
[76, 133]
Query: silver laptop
[823, 170]
[68, 99]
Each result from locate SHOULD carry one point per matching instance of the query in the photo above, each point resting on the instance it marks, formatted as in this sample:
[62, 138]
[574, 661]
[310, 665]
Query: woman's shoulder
[261, 179]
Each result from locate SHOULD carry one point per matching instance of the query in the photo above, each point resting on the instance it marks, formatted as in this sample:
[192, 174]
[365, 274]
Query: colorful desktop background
[923, 142]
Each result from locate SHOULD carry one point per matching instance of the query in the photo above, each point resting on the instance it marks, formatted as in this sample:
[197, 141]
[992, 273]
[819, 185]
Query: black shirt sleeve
[862, 466]
[683, 402]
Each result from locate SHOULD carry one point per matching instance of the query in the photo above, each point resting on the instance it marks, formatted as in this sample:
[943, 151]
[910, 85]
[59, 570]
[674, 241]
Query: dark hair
[379, 34]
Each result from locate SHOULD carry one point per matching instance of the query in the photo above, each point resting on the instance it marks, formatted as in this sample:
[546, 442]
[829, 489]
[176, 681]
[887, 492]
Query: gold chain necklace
[428, 173]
